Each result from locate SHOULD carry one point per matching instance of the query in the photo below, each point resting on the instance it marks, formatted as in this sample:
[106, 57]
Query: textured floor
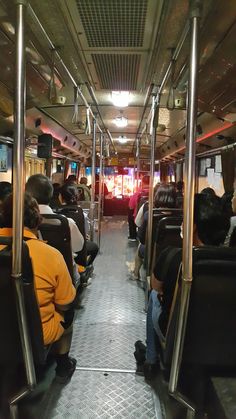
[103, 341]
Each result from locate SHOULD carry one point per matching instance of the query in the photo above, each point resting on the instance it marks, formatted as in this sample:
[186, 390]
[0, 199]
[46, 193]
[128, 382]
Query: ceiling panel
[117, 71]
[109, 23]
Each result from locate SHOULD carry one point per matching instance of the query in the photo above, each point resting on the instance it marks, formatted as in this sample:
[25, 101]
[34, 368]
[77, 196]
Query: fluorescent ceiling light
[122, 139]
[121, 121]
[120, 99]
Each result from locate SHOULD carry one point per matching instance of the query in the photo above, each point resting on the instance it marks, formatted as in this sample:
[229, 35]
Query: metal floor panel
[92, 395]
[104, 333]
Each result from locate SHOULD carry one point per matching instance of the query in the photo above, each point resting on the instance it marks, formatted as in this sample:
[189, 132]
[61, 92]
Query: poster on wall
[3, 158]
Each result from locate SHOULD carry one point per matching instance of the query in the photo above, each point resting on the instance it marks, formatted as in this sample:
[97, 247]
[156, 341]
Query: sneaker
[140, 352]
[64, 374]
[131, 239]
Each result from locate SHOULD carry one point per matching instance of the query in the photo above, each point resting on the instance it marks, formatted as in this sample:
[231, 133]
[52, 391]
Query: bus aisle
[104, 384]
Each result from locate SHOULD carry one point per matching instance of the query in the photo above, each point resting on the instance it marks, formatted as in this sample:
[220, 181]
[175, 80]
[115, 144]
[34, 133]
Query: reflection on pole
[18, 191]
[189, 180]
[92, 202]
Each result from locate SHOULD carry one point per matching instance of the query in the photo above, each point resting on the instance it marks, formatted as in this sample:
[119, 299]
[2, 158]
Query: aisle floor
[104, 384]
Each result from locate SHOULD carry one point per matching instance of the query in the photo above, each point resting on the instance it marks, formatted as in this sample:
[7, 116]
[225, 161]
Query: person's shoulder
[42, 248]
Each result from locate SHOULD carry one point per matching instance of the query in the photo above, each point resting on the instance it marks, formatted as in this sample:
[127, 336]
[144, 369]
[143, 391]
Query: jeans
[132, 225]
[152, 327]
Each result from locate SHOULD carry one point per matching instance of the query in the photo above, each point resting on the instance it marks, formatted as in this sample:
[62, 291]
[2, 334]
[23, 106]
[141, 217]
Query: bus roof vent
[108, 24]
[117, 71]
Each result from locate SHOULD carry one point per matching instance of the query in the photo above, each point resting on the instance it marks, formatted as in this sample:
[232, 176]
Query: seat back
[55, 231]
[76, 213]
[168, 233]
[210, 333]
[10, 348]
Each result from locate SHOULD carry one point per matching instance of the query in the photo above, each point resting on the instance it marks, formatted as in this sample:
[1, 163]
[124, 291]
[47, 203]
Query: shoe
[64, 374]
[131, 239]
[139, 369]
[150, 371]
[140, 352]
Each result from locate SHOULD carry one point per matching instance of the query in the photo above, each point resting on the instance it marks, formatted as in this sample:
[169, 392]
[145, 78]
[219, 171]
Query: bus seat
[10, 348]
[232, 241]
[168, 232]
[76, 213]
[55, 231]
[210, 333]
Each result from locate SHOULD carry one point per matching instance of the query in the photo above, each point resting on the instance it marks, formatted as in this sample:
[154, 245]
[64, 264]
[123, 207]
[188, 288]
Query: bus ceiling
[71, 72]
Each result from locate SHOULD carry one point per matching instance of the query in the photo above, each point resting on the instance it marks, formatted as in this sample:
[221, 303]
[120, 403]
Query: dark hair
[71, 179]
[208, 192]
[69, 193]
[32, 217]
[165, 196]
[5, 190]
[40, 187]
[211, 223]
[83, 180]
[226, 202]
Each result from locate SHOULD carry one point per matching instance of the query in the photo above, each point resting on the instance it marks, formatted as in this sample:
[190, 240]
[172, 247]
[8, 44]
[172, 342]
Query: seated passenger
[69, 196]
[165, 197]
[84, 186]
[53, 285]
[210, 228]
[225, 199]
[133, 206]
[5, 190]
[55, 201]
[40, 187]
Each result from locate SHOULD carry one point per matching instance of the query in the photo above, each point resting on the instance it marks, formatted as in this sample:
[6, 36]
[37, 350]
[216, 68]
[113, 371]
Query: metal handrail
[52, 46]
[189, 180]
[100, 198]
[92, 202]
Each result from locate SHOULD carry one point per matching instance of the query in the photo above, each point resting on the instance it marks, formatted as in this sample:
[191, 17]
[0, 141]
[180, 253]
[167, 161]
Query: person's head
[32, 217]
[40, 187]
[208, 192]
[83, 180]
[210, 223]
[165, 196]
[180, 186]
[69, 194]
[5, 190]
[145, 181]
[71, 179]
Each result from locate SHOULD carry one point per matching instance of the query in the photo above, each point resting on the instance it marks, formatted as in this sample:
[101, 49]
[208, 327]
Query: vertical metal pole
[189, 179]
[92, 202]
[18, 190]
[155, 109]
[100, 190]
[137, 163]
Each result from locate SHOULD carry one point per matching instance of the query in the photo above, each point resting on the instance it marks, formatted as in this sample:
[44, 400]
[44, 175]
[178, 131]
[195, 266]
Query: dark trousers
[92, 251]
[132, 225]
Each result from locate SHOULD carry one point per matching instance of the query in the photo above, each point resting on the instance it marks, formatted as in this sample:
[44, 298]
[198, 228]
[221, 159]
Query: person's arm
[77, 240]
[157, 285]
[139, 217]
[64, 291]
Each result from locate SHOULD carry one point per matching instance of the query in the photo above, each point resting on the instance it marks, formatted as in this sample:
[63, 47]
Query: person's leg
[138, 261]
[65, 364]
[92, 251]
[153, 313]
[132, 226]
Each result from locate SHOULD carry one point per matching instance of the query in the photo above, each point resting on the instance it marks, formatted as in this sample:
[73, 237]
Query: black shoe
[150, 371]
[65, 372]
[140, 352]
[140, 369]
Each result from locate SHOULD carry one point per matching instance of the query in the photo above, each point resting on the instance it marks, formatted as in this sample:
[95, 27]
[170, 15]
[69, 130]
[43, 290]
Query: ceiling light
[120, 99]
[121, 121]
[122, 139]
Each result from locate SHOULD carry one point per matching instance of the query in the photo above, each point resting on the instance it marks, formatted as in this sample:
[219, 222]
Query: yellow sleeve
[65, 290]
